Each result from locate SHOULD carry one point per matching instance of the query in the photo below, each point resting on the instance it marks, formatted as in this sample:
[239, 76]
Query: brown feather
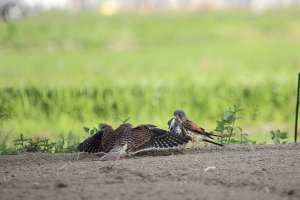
[143, 137]
[140, 135]
[188, 124]
[110, 137]
[146, 139]
[123, 134]
[192, 126]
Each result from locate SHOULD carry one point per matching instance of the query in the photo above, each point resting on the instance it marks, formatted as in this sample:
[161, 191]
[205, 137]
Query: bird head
[180, 115]
[127, 125]
[124, 127]
[106, 127]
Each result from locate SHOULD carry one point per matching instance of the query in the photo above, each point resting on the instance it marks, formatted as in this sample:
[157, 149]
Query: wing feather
[109, 138]
[93, 144]
[140, 135]
[160, 138]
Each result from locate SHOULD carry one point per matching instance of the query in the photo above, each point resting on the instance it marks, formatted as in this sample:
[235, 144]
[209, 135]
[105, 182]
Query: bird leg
[194, 140]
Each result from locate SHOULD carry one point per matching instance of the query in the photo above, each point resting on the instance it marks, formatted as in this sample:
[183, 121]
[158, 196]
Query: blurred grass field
[61, 71]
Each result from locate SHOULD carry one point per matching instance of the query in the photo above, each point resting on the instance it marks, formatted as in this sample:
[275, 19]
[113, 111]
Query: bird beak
[177, 116]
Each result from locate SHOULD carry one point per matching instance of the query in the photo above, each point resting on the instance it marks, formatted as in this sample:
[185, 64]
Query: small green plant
[45, 145]
[20, 143]
[5, 128]
[245, 140]
[126, 120]
[94, 130]
[71, 143]
[33, 146]
[59, 145]
[228, 124]
[278, 136]
[65, 145]
[23, 145]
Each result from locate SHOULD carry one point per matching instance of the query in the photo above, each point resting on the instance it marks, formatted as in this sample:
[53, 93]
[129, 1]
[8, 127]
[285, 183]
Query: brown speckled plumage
[132, 140]
[141, 138]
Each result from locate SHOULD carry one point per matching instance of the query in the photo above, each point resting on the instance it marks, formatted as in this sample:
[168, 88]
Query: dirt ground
[235, 172]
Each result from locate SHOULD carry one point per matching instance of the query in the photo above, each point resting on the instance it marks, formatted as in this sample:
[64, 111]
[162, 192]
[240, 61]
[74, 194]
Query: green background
[61, 71]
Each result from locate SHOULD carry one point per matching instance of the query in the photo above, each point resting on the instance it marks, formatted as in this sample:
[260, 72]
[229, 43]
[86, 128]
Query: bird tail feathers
[114, 154]
[206, 134]
[212, 142]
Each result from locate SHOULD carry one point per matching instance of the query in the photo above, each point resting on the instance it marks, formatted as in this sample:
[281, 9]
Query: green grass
[62, 71]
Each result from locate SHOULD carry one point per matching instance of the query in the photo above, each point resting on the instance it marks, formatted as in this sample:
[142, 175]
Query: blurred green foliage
[278, 136]
[26, 145]
[60, 71]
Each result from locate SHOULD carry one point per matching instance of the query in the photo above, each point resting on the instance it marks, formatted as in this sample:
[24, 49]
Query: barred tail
[212, 142]
[209, 135]
[114, 154]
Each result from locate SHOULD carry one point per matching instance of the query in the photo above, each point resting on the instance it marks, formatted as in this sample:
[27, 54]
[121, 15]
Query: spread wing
[140, 135]
[188, 124]
[150, 126]
[144, 138]
[93, 144]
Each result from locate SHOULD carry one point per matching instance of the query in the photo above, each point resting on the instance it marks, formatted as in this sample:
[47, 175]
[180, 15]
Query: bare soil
[237, 172]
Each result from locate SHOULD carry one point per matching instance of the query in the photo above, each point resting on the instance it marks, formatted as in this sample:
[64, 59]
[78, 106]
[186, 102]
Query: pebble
[61, 185]
[291, 192]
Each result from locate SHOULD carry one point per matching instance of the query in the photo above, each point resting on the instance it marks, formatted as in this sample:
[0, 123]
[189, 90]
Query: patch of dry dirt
[241, 172]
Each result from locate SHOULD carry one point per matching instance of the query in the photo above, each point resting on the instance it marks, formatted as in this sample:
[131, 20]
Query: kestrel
[190, 128]
[131, 140]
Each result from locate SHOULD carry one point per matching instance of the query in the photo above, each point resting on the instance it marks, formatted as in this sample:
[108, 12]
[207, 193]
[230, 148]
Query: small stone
[267, 190]
[291, 192]
[209, 168]
[14, 175]
[61, 185]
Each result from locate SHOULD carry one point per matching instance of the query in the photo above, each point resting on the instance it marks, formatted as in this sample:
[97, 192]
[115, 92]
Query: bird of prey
[126, 139]
[187, 127]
